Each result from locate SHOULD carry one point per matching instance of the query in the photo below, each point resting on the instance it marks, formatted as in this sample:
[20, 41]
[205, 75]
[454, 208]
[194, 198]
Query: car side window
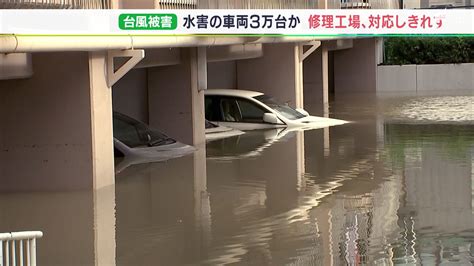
[230, 110]
[212, 111]
[126, 133]
[251, 112]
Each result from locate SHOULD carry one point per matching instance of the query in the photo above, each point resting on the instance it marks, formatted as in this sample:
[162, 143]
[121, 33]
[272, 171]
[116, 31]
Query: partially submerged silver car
[137, 143]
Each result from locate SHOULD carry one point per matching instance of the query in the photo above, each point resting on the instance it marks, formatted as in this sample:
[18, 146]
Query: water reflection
[78, 226]
[377, 191]
[436, 216]
[251, 144]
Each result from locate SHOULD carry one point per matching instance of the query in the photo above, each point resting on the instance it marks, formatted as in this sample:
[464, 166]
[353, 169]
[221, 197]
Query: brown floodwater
[395, 186]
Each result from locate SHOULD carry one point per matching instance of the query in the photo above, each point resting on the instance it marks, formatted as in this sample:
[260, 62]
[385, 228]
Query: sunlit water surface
[396, 186]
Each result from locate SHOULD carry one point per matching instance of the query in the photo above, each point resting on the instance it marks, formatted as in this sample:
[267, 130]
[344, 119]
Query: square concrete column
[176, 97]
[57, 125]
[278, 73]
[355, 69]
[325, 77]
[101, 122]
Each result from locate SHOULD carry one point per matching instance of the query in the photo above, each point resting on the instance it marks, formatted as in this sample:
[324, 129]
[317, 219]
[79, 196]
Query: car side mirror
[270, 118]
[302, 111]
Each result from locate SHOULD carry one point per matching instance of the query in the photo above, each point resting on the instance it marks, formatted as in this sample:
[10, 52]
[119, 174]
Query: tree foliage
[429, 50]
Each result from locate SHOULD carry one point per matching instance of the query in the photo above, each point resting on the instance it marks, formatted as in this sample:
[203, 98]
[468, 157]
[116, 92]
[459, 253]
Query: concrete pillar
[202, 204]
[356, 68]
[277, 73]
[101, 122]
[104, 226]
[57, 125]
[300, 159]
[298, 62]
[316, 87]
[325, 80]
[325, 77]
[176, 105]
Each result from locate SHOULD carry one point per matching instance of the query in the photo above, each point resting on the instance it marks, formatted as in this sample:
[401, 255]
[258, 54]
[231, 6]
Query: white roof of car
[233, 92]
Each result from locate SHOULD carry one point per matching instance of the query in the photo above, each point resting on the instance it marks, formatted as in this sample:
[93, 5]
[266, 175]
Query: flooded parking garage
[386, 188]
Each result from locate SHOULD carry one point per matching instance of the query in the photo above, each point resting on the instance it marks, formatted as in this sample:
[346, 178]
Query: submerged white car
[215, 132]
[249, 110]
[136, 143]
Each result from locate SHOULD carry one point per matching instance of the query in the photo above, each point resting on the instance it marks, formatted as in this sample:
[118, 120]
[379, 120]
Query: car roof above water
[233, 92]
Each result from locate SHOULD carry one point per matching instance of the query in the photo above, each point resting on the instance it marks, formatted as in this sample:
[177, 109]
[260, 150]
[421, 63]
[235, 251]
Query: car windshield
[283, 109]
[136, 134]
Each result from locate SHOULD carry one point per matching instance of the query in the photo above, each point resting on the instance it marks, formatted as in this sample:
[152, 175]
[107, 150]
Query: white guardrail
[24, 242]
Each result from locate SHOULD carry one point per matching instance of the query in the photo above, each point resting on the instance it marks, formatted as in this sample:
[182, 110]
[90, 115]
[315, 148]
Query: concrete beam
[234, 52]
[340, 44]
[160, 57]
[133, 58]
[15, 66]
[314, 46]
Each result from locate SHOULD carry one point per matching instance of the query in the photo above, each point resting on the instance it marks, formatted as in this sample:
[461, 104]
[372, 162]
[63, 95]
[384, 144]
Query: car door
[242, 114]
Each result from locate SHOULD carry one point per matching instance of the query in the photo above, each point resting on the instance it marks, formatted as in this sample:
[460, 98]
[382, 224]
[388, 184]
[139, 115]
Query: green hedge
[429, 50]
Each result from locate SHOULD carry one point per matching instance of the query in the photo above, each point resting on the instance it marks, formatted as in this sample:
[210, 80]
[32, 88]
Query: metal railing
[261, 4]
[177, 4]
[385, 4]
[355, 4]
[370, 4]
[247, 4]
[55, 4]
[24, 242]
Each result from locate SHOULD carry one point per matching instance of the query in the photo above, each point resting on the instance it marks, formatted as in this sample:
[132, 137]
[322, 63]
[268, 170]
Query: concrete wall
[222, 75]
[130, 95]
[425, 78]
[355, 69]
[47, 125]
[445, 77]
[396, 78]
[273, 74]
[47, 140]
[234, 52]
